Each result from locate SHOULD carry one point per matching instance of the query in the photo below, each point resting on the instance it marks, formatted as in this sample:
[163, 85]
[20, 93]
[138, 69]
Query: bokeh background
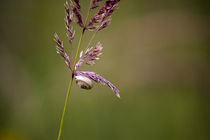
[155, 52]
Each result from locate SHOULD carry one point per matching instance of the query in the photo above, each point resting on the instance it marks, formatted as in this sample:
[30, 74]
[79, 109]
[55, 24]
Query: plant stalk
[64, 109]
[70, 84]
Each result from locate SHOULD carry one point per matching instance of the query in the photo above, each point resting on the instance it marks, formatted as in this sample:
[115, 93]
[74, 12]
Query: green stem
[70, 84]
[64, 109]
[69, 89]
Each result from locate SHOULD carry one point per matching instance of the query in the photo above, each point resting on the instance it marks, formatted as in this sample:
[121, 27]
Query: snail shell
[83, 82]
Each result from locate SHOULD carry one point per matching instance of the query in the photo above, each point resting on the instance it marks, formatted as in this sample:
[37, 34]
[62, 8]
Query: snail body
[84, 82]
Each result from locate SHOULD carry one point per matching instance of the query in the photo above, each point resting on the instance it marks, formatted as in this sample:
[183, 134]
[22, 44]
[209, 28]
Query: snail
[84, 82]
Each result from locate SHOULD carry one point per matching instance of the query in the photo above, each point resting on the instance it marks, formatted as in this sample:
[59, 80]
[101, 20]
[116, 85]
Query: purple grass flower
[95, 19]
[90, 55]
[98, 79]
[107, 9]
[68, 21]
[77, 12]
[104, 24]
[95, 4]
[109, 12]
[92, 28]
[77, 4]
[61, 51]
[90, 63]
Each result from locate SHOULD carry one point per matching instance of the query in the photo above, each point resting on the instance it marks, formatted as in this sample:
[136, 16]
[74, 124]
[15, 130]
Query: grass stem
[70, 84]
[64, 109]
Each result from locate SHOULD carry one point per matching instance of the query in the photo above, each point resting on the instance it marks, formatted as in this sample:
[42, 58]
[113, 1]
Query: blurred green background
[155, 52]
